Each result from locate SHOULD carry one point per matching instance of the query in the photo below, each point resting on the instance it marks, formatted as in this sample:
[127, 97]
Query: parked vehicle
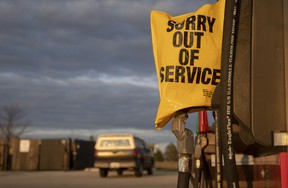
[122, 152]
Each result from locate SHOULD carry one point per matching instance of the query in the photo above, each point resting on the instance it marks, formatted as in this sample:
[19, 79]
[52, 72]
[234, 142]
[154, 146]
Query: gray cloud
[82, 64]
[83, 102]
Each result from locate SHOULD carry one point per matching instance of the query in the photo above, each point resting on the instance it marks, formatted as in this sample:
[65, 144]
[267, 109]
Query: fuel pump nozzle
[185, 142]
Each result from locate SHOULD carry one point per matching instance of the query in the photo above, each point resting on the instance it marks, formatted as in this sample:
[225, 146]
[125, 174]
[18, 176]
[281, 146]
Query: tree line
[170, 153]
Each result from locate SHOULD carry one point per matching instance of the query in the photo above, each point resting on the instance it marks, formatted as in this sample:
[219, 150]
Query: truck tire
[150, 170]
[139, 169]
[103, 172]
[120, 172]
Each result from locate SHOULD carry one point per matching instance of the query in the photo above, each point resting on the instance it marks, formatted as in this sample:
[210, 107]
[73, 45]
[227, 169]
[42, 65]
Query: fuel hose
[183, 180]
[218, 152]
[225, 111]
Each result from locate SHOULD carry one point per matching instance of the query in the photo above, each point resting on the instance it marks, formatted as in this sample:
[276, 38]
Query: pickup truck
[122, 152]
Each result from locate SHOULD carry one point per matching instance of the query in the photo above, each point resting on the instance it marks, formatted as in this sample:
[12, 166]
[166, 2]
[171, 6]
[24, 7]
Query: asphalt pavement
[85, 179]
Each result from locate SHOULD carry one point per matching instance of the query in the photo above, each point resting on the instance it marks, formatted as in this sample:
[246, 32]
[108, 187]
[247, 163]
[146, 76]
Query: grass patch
[166, 165]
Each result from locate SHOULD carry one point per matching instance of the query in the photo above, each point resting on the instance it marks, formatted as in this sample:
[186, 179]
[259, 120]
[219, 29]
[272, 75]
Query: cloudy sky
[83, 67]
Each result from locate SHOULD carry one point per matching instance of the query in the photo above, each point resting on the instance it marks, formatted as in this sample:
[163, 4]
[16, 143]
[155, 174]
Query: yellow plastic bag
[187, 54]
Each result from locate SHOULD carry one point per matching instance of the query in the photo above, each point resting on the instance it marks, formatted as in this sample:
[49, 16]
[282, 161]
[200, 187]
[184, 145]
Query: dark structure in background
[46, 154]
[82, 149]
[55, 154]
[2, 152]
[24, 154]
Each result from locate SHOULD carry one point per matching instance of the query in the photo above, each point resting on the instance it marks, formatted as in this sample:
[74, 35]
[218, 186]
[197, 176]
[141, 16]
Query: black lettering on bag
[169, 72]
[177, 39]
[162, 69]
[191, 75]
[179, 73]
[170, 23]
[183, 56]
[201, 22]
[190, 23]
[179, 26]
[216, 76]
[198, 78]
[211, 23]
[204, 78]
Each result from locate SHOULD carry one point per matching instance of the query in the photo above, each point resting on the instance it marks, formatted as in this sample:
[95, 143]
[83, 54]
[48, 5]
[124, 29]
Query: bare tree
[12, 122]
